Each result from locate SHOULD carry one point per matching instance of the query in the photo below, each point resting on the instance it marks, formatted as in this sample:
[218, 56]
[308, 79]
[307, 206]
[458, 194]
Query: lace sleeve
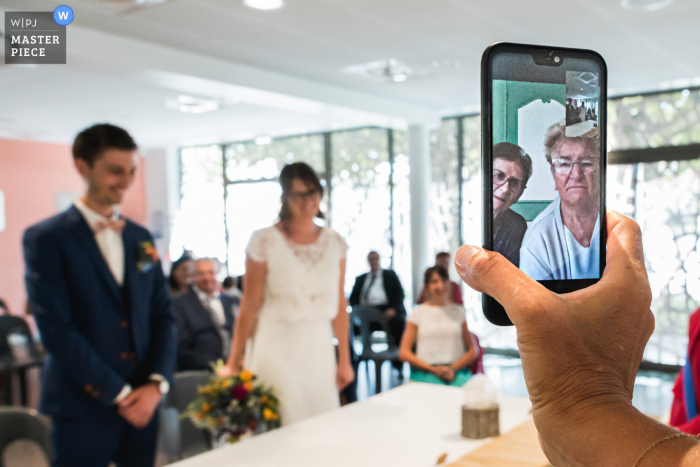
[257, 246]
[342, 246]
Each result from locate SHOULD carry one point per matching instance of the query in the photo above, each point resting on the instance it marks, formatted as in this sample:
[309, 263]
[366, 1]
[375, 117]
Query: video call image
[546, 177]
[582, 93]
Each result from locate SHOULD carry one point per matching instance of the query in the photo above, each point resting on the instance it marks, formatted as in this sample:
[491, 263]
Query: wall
[31, 175]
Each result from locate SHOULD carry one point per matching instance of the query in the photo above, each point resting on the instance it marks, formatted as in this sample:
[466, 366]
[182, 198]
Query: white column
[162, 194]
[419, 160]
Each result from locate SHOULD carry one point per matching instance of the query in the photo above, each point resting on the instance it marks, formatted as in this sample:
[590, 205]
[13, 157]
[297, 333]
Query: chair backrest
[369, 319]
[192, 440]
[15, 325]
[185, 389]
[20, 423]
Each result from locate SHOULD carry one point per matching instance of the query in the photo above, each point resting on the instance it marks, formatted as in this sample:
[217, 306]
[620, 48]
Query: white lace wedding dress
[292, 346]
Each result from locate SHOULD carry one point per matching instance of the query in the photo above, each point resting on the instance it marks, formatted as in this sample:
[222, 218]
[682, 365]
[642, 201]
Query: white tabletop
[411, 425]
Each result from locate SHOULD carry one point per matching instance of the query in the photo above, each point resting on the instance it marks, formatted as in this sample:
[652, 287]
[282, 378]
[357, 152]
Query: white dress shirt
[111, 245]
[373, 293]
[212, 302]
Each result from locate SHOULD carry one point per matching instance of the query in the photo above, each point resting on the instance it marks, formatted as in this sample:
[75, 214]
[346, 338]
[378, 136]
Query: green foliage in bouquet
[233, 406]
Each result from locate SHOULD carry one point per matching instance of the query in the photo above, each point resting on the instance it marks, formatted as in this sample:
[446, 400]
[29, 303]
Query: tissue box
[480, 423]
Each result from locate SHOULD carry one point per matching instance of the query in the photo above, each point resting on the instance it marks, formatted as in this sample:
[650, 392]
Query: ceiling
[301, 50]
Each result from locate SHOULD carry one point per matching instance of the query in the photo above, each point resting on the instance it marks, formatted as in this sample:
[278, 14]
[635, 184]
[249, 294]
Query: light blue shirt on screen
[550, 251]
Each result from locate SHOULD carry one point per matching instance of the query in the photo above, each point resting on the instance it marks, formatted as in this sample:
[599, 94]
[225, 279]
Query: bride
[295, 271]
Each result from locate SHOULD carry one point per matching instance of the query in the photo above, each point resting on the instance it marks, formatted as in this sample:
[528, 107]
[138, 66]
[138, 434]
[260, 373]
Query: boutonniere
[148, 256]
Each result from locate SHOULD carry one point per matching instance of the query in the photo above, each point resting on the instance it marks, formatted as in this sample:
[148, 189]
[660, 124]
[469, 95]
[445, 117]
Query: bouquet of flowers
[233, 406]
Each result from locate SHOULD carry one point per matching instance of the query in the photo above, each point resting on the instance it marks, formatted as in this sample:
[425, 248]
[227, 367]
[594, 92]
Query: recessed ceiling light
[386, 70]
[191, 105]
[645, 5]
[264, 4]
[263, 140]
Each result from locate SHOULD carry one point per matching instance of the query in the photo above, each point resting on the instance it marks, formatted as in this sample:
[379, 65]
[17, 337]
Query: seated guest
[230, 287]
[381, 288]
[563, 241]
[454, 291]
[444, 348]
[204, 320]
[686, 391]
[512, 168]
[181, 275]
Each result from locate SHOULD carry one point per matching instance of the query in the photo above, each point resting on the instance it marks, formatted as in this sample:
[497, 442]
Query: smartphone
[543, 125]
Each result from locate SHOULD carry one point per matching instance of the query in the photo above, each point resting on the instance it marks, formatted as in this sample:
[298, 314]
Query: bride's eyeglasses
[304, 195]
[515, 185]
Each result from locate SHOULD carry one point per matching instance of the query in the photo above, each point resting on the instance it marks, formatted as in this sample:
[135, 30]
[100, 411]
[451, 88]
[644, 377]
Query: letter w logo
[16, 22]
[63, 15]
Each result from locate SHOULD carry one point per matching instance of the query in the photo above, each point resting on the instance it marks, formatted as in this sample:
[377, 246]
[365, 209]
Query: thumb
[491, 273]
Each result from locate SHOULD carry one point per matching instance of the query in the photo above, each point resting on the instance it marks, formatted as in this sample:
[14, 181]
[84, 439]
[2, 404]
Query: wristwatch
[161, 383]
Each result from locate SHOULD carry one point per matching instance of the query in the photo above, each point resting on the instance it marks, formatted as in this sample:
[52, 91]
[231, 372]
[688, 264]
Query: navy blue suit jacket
[198, 337]
[99, 336]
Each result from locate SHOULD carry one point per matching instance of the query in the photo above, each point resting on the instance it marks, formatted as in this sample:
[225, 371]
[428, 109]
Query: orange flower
[200, 416]
[264, 399]
[206, 407]
[246, 375]
[226, 383]
[248, 386]
[270, 415]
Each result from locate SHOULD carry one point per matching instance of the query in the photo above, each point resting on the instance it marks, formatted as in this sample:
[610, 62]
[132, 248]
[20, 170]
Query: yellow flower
[246, 375]
[248, 386]
[270, 415]
[226, 383]
[206, 407]
[264, 399]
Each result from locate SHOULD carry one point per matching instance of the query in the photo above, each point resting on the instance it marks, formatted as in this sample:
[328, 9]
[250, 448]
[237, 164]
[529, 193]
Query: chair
[369, 319]
[19, 423]
[11, 362]
[185, 439]
[478, 365]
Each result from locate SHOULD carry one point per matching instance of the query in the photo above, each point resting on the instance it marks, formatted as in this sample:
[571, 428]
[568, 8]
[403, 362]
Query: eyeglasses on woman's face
[303, 196]
[500, 178]
[587, 165]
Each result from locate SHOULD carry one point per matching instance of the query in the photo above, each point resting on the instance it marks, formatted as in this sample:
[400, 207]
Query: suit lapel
[87, 239]
[131, 282]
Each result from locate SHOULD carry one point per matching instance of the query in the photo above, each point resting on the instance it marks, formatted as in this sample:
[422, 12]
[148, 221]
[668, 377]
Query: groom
[96, 288]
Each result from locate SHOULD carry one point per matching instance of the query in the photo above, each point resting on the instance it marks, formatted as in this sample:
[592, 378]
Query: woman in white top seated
[438, 328]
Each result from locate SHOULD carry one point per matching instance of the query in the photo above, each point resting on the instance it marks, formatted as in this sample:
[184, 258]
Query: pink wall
[30, 176]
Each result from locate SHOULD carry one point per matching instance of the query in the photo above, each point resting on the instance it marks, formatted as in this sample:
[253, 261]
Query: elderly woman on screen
[512, 168]
[563, 242]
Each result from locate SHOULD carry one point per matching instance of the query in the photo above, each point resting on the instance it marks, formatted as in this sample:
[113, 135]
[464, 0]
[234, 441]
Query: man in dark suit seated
[98, 294]
[204, 320]
[381, 288]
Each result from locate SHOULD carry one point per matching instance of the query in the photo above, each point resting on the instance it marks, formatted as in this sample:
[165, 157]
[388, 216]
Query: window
[199, 224]
[360, 197]
[368, 207]
[653, 177]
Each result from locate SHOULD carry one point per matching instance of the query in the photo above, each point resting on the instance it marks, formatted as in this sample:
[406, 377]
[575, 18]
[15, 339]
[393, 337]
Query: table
[412, 425]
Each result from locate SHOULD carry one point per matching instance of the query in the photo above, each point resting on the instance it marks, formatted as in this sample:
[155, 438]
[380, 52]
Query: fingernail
[464, 254]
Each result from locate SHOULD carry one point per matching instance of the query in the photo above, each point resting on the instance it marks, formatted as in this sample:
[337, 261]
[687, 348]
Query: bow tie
[116, 225]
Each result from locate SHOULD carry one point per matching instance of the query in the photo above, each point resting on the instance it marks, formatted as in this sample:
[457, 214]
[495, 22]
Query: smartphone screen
[544, 161]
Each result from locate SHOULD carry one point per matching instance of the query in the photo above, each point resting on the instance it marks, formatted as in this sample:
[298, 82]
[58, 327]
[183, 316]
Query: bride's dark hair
[306, 174]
